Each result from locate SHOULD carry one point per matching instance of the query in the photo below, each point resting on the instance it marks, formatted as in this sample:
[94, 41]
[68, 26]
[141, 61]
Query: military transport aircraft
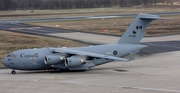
[82, 58]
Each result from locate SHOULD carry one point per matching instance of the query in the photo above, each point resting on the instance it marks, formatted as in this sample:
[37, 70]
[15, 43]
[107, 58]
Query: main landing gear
[13, 72]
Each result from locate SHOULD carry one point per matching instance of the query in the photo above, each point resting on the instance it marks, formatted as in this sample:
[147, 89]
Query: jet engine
[74, 61]
[53, 59]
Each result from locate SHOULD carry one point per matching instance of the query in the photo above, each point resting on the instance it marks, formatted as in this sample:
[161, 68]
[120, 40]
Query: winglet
[133, 55]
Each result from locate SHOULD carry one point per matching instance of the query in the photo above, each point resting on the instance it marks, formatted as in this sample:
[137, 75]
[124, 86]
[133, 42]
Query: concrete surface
[157, 73]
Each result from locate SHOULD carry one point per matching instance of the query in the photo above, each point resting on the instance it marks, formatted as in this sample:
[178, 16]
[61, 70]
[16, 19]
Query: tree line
[71, 4]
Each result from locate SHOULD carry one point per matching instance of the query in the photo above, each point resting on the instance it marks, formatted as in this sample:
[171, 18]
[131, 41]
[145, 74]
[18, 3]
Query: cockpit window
[11, 55]
[8, 55]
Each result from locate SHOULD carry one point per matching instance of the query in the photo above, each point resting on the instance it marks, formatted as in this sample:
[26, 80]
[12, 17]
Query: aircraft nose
[4, 62]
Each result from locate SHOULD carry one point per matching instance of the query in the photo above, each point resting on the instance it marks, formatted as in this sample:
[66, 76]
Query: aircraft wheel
[13, 72]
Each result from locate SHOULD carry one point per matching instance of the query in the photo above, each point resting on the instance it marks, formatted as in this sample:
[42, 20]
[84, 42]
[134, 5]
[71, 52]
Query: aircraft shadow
[51, 71]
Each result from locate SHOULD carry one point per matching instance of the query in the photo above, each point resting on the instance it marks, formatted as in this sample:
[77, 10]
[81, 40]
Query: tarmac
[156, 72]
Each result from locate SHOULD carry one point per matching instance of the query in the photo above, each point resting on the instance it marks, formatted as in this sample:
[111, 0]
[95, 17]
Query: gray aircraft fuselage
[34, 58]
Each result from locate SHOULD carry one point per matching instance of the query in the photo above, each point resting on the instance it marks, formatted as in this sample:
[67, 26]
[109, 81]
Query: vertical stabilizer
[136, 30]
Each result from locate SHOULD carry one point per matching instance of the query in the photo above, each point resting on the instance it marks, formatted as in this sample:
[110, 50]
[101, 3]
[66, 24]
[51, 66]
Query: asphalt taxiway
[155, 45]
[80, 17]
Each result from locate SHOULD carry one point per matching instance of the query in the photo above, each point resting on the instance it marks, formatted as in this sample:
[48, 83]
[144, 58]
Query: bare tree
[69, 4]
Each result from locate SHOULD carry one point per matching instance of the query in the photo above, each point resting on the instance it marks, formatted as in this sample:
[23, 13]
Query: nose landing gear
[13, 72]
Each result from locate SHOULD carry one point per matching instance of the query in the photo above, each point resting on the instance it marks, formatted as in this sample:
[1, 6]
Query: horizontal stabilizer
[152, 17]
[149, 17]
[155, 18]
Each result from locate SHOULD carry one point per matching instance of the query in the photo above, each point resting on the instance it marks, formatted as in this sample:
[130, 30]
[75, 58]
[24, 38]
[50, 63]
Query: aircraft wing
[89, 54]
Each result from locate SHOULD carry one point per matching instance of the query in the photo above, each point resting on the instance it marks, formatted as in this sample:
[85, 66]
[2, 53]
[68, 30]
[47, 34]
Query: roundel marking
[115, 52]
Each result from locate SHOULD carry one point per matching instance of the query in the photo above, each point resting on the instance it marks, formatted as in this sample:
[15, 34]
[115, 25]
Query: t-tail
[137, 29]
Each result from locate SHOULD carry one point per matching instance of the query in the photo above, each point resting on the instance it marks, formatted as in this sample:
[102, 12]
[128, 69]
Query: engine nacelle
[74, 61]
[53, 59]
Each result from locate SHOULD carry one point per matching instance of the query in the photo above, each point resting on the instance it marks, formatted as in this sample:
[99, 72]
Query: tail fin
[136, 30]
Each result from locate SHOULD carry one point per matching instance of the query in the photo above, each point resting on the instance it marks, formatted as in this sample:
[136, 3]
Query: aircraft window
[8, 55]
[11, 55]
